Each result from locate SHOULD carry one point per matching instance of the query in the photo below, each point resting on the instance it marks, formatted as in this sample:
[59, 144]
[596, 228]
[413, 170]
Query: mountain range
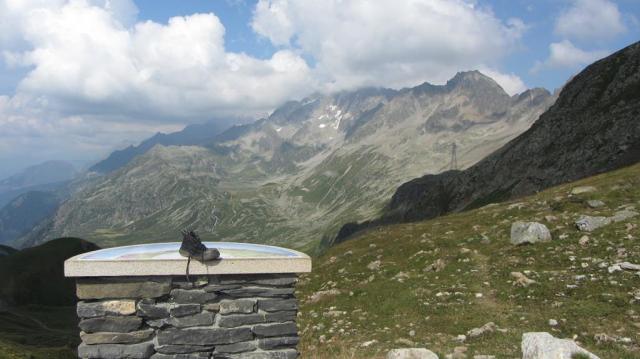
[593, 127]
[299, 174]
[46, 176]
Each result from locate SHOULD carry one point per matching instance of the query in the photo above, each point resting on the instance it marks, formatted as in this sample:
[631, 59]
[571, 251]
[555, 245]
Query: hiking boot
[193, 247]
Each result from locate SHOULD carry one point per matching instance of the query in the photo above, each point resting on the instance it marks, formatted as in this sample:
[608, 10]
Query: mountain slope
[47, 176]
[189, 136]
[36, 275]
[303, 171]
[423, 284]
[25, 211]
[593, 127]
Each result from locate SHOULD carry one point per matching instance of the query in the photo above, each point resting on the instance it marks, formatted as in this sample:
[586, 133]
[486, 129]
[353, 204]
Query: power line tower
[454, 157]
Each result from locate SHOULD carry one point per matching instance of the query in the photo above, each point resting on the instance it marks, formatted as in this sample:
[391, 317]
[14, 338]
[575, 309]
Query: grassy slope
[438, 306]
[36, 332]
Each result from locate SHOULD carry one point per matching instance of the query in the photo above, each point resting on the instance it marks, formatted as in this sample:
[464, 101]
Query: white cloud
[96, 75]
[566, 55]
[85, 60]
[590, 20]
[511, 83]
[392, 44]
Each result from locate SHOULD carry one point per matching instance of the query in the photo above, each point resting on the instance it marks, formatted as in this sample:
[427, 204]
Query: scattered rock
[629, 266]
[521, 279]
[584, 240]
[553, 322]
[529, 232]
[375, 265]
[436, 266]
[582, 189]
[542, 345]
[550, 218]
[623, 215]
[589, 223]
[614, 268]
[404, 341]
[368, 343]
[411, 353]
[595, 203]
[319, 295]
[485, 329]
[460, 338]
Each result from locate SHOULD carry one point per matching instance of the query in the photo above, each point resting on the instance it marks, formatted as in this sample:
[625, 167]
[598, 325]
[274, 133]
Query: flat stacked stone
[216, 316]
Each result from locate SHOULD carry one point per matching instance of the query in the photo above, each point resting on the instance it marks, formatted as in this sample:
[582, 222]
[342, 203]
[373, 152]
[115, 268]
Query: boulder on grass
[529, 232]
[542, 345]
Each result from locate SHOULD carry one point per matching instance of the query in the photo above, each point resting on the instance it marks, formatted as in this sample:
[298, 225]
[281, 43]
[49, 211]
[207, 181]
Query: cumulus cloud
[96, 75]
[565, 54]
[85, 60]
[363, 43]
[590, 20]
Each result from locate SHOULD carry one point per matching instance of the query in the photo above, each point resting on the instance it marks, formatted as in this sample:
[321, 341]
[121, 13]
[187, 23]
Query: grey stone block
[236, 320]
[116, 351]
[274, 305]
[275, 354]
[200, 319]
[259, 292]
[237, 306]
[102, 288]
[212, 307]
[278, 342]
[275, 330]
[116, 338]
[277, 280]
[151, 310]
[180, 310]
[196, 296]
[183, 349]
[110, 324]
[181, 356]
[203, 336]
[108, 307]
[221, 287]
[236, 347]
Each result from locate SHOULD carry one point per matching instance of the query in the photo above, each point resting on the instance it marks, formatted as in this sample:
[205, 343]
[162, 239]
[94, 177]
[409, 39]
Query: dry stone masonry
[249, 316]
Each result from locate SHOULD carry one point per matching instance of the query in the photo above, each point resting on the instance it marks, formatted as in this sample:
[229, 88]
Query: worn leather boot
[193, 247]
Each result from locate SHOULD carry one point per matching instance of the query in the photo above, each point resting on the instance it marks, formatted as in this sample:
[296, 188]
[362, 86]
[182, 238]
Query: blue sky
[80, 78]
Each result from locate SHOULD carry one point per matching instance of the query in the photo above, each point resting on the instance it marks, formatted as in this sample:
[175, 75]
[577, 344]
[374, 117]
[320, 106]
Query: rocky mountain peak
[474, 80]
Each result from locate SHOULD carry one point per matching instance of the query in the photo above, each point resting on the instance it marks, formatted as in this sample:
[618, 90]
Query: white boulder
[542, 345]
[411, 353]
[529, 232]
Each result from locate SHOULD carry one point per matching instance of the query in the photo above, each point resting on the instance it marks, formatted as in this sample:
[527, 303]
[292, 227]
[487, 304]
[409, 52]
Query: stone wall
[217, 316]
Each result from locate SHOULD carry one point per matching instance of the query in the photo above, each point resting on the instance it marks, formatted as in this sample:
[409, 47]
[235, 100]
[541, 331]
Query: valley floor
[37, 332]
[424, 284]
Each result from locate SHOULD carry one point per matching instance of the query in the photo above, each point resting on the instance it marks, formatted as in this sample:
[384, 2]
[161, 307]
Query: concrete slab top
[162, 259]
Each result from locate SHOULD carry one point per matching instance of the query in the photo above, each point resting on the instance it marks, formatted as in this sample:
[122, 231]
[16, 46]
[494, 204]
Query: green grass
[438, 306]
[38, 332]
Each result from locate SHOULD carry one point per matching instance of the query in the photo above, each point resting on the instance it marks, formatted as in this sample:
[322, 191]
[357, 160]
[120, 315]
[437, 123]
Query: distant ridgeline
[297, 175]
[593, 127]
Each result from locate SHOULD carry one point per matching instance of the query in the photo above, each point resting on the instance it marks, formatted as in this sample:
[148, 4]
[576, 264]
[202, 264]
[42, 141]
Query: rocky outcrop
[592, 128]
[224, 316]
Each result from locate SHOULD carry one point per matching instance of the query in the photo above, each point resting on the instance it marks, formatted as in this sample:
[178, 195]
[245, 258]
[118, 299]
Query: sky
[80, 78]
